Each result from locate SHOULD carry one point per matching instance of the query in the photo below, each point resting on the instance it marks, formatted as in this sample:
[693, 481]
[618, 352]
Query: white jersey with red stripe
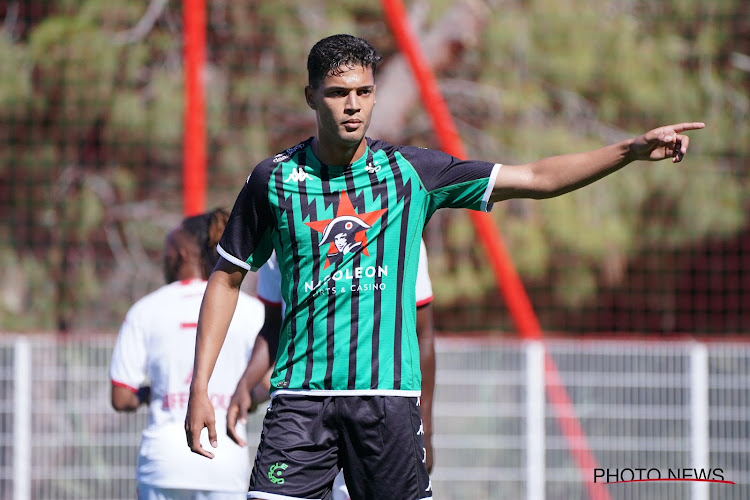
[156, 347]
[269, 281]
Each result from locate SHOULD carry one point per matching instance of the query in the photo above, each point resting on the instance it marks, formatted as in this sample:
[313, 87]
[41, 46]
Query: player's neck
[189, 273]
[338, 154]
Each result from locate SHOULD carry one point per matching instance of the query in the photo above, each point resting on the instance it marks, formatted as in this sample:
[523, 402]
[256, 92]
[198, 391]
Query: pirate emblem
[342, 231]
[347, 232]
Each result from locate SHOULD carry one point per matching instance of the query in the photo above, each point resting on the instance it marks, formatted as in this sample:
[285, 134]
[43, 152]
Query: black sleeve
[246, 241]
[451, 182]
[439, 170]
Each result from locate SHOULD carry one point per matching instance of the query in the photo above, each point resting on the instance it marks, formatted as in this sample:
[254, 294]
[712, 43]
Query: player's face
[343, 105]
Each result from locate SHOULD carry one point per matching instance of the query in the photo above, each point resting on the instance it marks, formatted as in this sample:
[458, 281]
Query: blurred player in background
[152, 364]
[346, 379]
[249, 391]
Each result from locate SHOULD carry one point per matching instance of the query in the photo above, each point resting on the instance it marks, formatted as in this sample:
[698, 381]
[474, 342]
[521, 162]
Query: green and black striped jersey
[347, 239]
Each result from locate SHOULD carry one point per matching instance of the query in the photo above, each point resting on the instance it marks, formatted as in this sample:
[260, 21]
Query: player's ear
[309, 97]
[183, 255]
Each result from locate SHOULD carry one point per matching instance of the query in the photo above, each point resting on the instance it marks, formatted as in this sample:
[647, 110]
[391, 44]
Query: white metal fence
[661, 407]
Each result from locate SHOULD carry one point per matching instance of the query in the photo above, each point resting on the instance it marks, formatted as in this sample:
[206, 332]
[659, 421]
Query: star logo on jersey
[345, 233]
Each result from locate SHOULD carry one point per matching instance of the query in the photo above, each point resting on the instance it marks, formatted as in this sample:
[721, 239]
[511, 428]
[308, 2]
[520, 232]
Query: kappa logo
[298, 175]
[372, 168]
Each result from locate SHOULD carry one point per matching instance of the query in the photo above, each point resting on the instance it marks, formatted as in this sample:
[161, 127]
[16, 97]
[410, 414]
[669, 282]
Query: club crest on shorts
[274, 473]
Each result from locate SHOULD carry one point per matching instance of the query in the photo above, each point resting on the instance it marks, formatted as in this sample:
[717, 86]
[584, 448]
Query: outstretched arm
[253, 386]
[217, 309]
[558, 175]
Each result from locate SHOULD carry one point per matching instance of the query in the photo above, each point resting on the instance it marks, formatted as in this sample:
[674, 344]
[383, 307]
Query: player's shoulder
[289, 153]
[377, 145]
[266, 167]
[152, 301]
[154, 296]
[411, 153]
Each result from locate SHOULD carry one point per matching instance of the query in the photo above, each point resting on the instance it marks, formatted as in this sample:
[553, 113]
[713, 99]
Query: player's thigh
[298, 452]
[384, 454]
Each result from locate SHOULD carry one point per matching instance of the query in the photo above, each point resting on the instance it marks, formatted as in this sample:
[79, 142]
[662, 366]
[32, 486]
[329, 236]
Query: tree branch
[11, 18]
[144, 25]
[458, 30]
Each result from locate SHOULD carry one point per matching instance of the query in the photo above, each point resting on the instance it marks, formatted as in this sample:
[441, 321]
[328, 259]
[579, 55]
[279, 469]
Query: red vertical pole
[507, 279]
[194, 145]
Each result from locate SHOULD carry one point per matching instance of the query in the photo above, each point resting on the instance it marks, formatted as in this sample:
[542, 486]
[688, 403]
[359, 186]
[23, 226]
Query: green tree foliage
[91, 131]
[578, 74]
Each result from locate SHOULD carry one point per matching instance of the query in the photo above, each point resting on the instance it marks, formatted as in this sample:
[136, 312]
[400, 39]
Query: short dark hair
[329, 54]
[206, 229]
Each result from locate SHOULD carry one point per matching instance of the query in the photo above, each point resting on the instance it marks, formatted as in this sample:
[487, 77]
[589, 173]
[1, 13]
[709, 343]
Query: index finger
[681, 127]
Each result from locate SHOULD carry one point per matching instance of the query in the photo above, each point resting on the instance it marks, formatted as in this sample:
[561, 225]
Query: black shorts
[377, 440]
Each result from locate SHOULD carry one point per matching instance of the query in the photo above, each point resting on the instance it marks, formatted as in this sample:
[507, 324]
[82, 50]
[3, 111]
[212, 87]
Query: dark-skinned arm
[217, 309]
[558, 175]
[252, 388]
[426, 337]
[125, 399]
